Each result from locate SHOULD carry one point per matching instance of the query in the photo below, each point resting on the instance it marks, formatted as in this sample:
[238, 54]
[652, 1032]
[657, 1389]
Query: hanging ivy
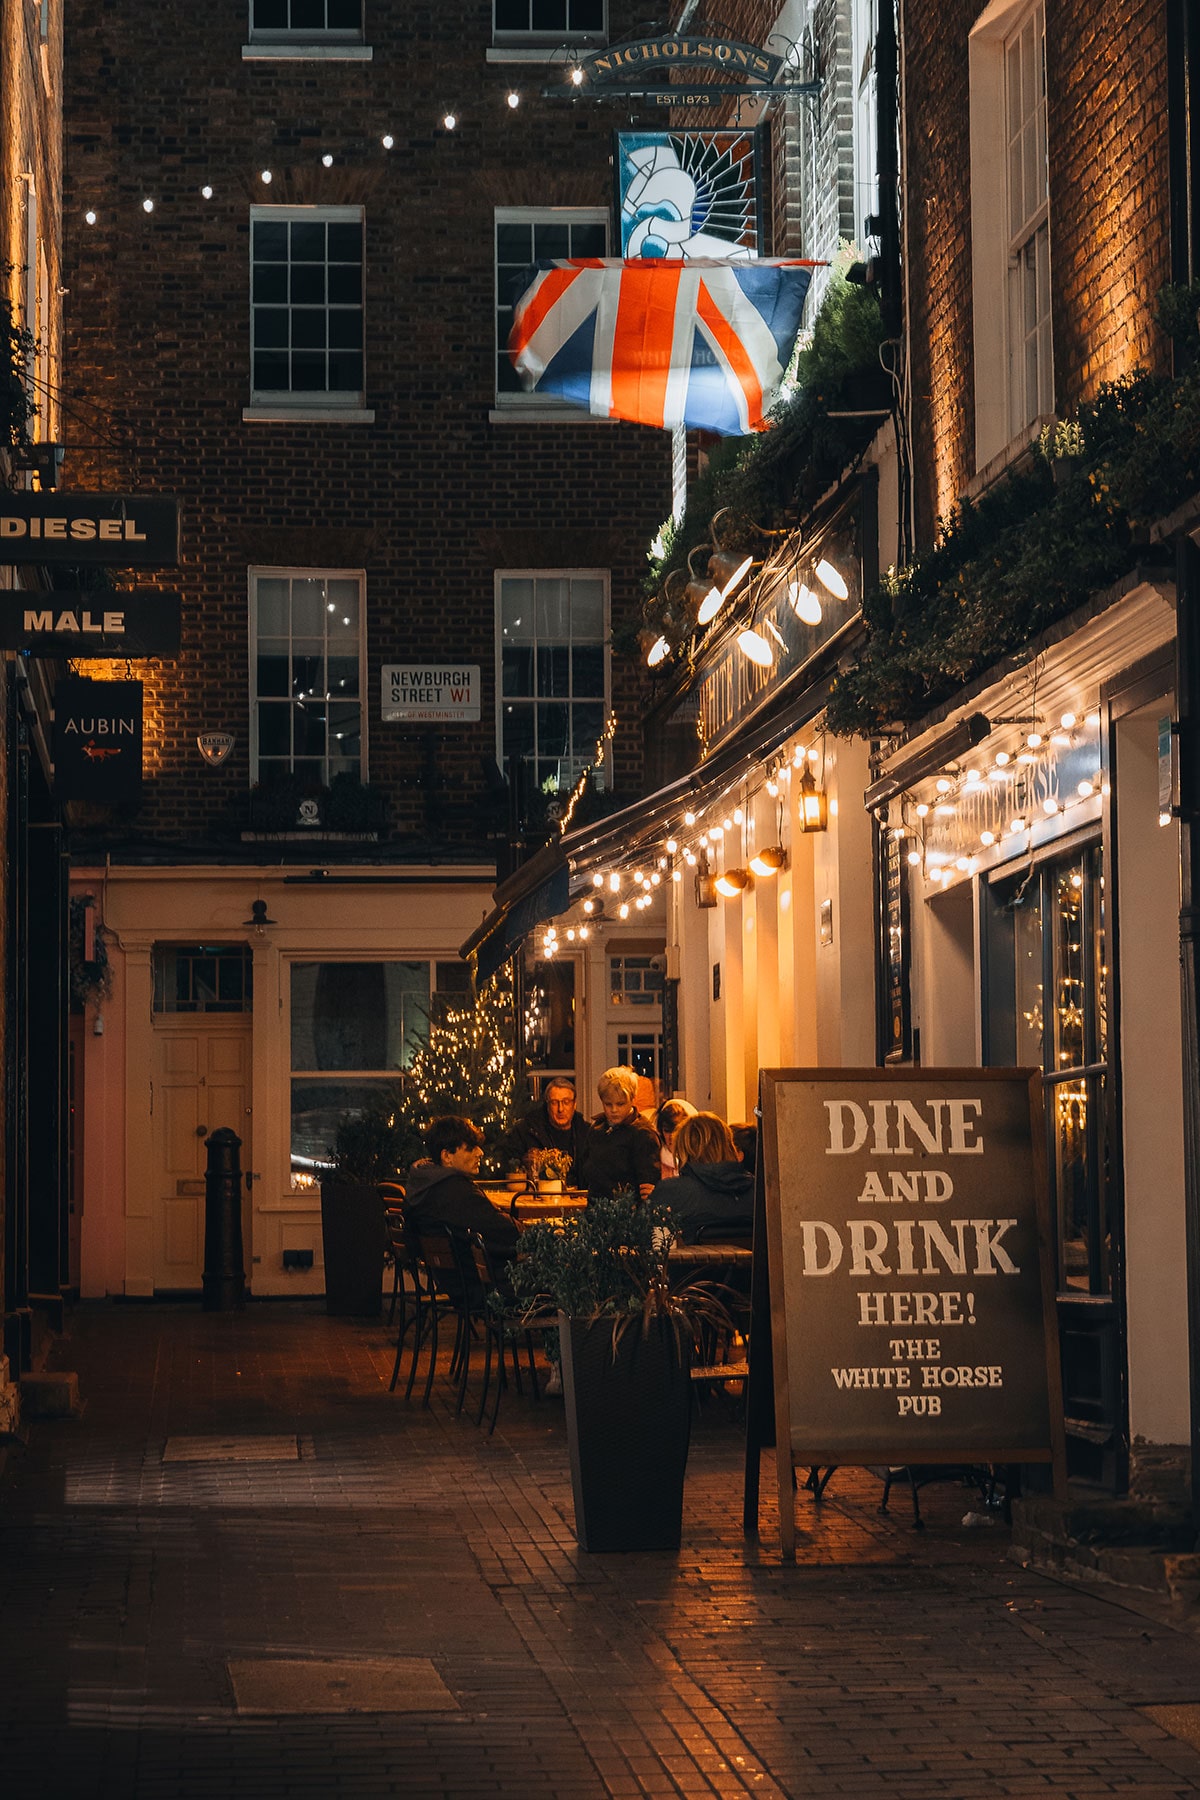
[90, 977]
[1033, 548]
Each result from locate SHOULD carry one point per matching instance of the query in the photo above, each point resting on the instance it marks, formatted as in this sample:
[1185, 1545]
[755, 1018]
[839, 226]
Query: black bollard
[224, 1270]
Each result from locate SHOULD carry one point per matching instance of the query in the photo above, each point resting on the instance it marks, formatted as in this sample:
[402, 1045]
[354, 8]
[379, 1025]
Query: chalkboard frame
[771, 1289]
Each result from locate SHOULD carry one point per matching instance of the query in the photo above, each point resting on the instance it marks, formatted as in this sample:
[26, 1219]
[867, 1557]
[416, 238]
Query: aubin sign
[122, 530]
[912, 1290]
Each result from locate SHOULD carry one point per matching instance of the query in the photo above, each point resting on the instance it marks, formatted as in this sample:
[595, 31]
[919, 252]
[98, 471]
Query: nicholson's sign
[912, 1292]
[98, 741]
[123, 530]
[728, 56]
[72, 622]
[430, 693]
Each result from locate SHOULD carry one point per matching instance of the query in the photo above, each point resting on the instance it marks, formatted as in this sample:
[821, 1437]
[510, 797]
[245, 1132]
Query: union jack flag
[698, 343]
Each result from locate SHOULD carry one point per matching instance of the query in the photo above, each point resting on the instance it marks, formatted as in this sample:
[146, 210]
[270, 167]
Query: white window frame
[346, 405]
[513, 43]
[864, 33]
[604, 576]
[1007, 413]
[260, 571]
[510, 406]
[305, 43]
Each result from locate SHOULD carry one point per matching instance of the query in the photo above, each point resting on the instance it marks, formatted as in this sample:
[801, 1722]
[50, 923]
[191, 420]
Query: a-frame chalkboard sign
[906, 1294]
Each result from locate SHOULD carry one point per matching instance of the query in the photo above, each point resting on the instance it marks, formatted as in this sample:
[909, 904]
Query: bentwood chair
[505, 1325]
[441, 1262]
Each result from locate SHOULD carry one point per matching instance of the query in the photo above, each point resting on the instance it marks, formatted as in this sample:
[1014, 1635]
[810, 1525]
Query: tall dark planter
[353, 1239]
[628, 1424]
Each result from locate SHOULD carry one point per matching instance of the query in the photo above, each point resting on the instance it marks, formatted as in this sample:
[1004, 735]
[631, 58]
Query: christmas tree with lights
[464, 1061]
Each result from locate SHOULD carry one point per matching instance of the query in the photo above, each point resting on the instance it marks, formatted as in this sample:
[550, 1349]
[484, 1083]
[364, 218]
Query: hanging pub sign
[121, 530]
[685, 194]
[430, 693]
[660, 69]
[98, 741]
[101, 623]
[910, 1271]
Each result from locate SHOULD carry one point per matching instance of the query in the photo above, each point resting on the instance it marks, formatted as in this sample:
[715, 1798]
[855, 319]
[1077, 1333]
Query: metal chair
[440, 1260]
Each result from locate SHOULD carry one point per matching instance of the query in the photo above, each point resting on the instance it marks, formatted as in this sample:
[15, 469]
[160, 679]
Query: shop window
[1014, 373]
[306, 661]
[635, 981]
[1048, 1009]
[355, 1027]
[525, 236]
[306, 313]
[202, 978]
[548, 21]
[553, 696]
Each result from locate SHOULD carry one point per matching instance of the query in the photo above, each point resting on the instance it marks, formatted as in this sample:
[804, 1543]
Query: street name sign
[430, 693]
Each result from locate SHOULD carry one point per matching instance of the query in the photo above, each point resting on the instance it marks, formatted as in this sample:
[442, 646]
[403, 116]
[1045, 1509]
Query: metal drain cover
[280, 1447]
[341, 1684]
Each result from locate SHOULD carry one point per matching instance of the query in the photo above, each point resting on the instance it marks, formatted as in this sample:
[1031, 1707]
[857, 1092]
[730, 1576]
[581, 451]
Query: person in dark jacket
[554, 1124]
[712, 1185]
[624, 1149]
[442, 1191]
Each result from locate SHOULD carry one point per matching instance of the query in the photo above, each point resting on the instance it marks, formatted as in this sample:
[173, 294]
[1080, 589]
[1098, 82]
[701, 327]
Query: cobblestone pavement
[887, 1663]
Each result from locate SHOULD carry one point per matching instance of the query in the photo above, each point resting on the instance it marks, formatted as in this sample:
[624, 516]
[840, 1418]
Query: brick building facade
[368, 441]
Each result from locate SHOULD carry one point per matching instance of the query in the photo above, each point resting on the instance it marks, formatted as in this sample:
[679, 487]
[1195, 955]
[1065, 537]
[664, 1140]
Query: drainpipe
[1187, 705]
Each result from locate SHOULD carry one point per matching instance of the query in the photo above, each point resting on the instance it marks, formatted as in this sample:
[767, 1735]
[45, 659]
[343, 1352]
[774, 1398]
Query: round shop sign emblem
[215, 746]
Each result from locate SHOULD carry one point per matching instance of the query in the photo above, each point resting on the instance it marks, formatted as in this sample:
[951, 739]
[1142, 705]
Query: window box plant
[626, 1334]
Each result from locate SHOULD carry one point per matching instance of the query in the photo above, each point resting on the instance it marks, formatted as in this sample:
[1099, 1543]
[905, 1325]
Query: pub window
[550, 1019]
[306, 313]
[525, 236]
[307, 673]
[1048, 1009]
[634, 981]
[641, 1051]
[202, 978]
[1031, 390]
[552, 704]
[319, 21]
[551, 21]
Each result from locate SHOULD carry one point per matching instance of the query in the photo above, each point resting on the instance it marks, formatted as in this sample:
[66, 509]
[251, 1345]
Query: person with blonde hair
[671, 1115]
[712, 1186]
[623, 1152]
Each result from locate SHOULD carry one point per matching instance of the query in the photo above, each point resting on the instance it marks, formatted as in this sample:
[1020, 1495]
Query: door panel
[201, 1083]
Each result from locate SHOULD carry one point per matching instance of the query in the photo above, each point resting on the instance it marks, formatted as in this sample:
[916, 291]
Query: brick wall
[429, 500]
[1109, 244]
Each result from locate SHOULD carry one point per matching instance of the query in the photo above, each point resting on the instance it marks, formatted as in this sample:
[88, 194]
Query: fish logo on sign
[215, 746]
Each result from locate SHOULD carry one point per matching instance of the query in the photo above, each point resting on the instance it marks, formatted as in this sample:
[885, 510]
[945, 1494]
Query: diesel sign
[122, 530]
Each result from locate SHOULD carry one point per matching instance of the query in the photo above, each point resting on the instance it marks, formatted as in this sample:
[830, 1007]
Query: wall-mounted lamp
[814, 806]
[768, 861]
[732, 883]
[258, 920]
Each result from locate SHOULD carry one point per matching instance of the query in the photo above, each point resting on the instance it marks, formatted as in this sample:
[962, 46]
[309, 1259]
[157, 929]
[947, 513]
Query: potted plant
[548, 1169]
[626, 1334]
[369, 1147]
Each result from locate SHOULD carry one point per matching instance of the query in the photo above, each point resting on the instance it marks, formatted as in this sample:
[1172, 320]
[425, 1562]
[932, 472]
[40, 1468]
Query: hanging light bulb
[206, 192]
[755, 648]
[738, 815]
[147, 206]
[672, 846]
[387, 140]
[576, 76]
[914, 859]
[589, 906]
[658, 652]
[623, 909]
[614, 882]
[89, 217]
[597, 880]
[266, 177]
[769, 860]
[831, 578]
[987, 837]
[513, 98]
[804, 603]
[450, 120]
[689, 818]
